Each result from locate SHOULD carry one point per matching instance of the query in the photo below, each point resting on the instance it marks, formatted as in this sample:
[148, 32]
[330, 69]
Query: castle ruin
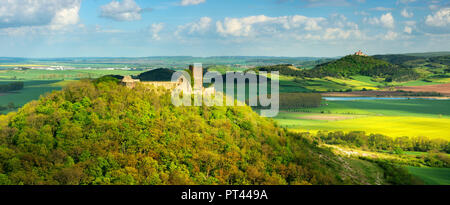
[129, 82]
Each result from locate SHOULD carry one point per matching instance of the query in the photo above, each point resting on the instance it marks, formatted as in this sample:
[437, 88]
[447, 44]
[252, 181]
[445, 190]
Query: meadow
[432, 176]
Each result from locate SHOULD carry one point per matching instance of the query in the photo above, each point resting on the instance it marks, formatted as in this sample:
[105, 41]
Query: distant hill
[283, 69]
[159, 74]
[367, 66]
[397, 58]
[433, 62]
[429, 54]
[350, 65]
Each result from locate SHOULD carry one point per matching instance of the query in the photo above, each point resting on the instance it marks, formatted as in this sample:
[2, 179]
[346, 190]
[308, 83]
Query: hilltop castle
[169, 85]
[359, 53]
[131, 83]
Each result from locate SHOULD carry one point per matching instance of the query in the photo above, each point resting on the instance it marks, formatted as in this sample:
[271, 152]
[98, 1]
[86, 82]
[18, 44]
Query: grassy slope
[432, 176]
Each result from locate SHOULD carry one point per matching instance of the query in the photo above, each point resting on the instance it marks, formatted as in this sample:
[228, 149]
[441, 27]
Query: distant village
[68, 68]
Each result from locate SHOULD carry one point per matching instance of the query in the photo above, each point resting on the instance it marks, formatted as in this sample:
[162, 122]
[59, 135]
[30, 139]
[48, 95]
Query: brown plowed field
[444, 89]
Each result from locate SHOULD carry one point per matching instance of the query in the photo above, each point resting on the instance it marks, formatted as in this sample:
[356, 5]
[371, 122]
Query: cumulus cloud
[386, 20]
[406, 14]
[338, 33]
[191, 2]
[336, 27]
[125, 10]
[199, 27]
[440, 18]
[240, 26]
[155, 29]
[54, 13]
[253, 25]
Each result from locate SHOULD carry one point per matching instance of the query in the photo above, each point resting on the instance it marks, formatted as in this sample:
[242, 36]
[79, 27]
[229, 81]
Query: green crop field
[412, 107]
[367, 79]
[432, 176]
[415, 83]
[59, 74]
[395, 118]
[32, 91]
[389, 126]
[354, 83]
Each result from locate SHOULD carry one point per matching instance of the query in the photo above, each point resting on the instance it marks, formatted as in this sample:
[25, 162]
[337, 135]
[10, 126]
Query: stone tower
[197, 74]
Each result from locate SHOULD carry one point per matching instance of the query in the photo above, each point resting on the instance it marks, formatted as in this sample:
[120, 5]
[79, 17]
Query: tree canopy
[100, 132]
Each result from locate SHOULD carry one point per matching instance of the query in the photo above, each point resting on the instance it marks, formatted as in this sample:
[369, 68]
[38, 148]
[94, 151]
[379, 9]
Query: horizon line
[264, 56]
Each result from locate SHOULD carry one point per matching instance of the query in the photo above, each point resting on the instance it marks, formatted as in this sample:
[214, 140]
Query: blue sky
[136, 28]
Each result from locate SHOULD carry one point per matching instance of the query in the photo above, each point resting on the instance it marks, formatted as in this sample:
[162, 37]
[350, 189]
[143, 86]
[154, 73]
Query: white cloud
[240, 26]
[54, 13]
[386, 20]
[381, 9]
[290, 27]
[406, 14]
[338, 33]
[155, 29]
[390, 35]
[125, 10]
[253, 25]
[440, 18]
[199, 27]
[191, 2]
[407, 30]
[309, 37]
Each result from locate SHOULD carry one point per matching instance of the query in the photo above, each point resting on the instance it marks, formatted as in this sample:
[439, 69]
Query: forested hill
[350, 65]
[159, 74]
[104, 133]
[365, 65]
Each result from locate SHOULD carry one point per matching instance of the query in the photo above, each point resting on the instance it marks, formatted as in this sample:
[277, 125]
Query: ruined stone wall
[166, 85]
